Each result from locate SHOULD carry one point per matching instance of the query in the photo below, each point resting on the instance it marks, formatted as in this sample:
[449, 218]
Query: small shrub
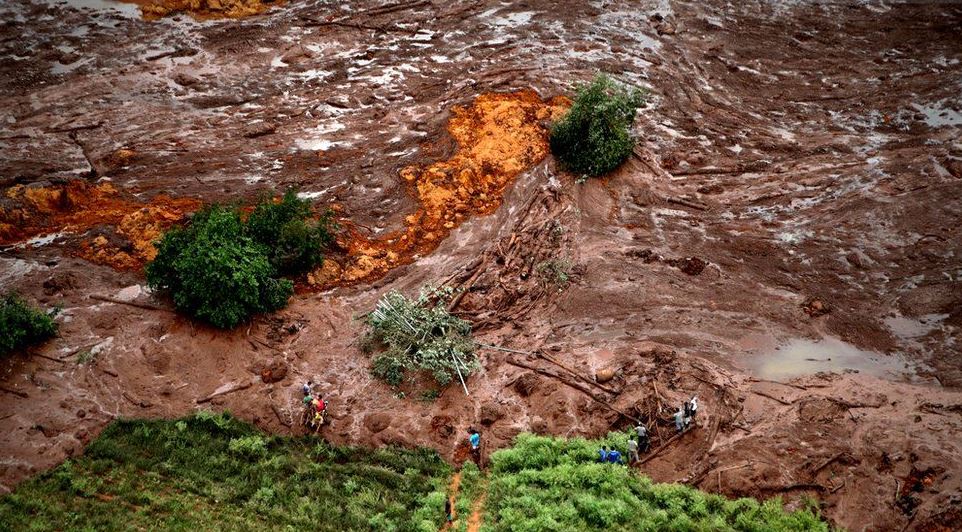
[419, 335]
[215, 272]
[555, 272]
[294, 241]
[248, 446]
[22, 325]
[593, 138]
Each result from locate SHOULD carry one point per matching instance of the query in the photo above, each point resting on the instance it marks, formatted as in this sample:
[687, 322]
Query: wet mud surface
[783, 243]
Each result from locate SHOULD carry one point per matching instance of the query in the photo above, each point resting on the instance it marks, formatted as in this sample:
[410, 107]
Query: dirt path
[477, 510]
[454, 487]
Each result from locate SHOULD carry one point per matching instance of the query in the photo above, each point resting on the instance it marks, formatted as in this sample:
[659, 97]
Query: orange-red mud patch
[203, 9]
[131, 226]
[499, 136]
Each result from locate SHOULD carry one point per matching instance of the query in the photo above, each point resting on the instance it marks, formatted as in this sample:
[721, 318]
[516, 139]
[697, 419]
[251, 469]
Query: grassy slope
[211, 471]
[544, 483]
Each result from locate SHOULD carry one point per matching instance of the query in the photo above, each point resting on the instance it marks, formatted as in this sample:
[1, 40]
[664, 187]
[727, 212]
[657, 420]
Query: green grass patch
[213, 472]
[545, 483]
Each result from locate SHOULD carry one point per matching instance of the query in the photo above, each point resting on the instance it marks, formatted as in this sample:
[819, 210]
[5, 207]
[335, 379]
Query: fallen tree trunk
[232, 389]
[571, 384]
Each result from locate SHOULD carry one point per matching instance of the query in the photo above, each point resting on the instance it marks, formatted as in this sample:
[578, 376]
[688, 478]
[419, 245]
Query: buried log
[772, 397]
[540, 354]
[663, 446]
[14, 392]
[219, 392]
[145, 306]
[571, 384]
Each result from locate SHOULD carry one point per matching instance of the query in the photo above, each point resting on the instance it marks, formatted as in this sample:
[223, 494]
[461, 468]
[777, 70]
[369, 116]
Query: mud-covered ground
[783, 244]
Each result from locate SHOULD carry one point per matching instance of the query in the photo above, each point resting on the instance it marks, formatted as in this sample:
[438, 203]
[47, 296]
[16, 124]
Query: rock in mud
[491, 412]
[815, 307]
[527, 384]
[377, 422]
[604, 375]
[271, 371]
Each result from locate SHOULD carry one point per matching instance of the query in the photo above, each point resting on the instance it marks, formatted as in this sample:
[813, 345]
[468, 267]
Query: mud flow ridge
[498, 136]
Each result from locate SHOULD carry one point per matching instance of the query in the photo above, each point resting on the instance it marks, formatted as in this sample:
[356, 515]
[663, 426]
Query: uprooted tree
[419, 335]
[594, 136]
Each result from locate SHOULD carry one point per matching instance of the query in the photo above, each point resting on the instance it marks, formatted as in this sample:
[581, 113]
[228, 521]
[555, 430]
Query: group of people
[315, 408]
[637, 445]
[685, 415]
[684, 418]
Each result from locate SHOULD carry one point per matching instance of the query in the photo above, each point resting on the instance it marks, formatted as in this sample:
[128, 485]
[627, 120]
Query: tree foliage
[593, 137]
[294, 241]
[22, 325]
[215, 272]
[415, 335]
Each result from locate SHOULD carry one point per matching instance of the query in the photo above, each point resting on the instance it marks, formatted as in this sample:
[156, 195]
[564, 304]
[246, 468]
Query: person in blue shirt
[614, 457]
[475, 440]
[603, 454]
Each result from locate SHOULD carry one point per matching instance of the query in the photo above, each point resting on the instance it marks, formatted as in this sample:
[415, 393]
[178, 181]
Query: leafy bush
[294, 241]
[546, 483]
[186, 475]
[593, 137]
[419, 335]
[22, 325]
[215, 272]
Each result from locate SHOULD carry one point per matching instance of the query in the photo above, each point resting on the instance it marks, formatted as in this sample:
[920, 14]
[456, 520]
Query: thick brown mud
[782, 243]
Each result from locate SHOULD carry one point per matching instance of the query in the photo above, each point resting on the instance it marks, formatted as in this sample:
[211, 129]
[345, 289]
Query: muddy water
[800, 357]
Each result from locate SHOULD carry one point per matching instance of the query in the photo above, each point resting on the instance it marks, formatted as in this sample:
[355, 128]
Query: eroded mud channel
[783, 243]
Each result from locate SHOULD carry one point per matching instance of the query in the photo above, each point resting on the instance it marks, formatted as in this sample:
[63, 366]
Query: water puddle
[800, 357]
[908, 328]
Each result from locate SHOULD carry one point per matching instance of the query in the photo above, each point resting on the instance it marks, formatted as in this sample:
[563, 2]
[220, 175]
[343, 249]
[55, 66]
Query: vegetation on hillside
[294, 240]
[213, 472]
[594, 136]
[415, 335]
[22, 325]
[546, 483]
[220, 269]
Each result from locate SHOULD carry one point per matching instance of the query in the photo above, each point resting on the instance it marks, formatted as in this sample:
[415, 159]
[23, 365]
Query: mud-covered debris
[377, 422]
[815, 307]
[490, 412]
[526, 384]
[689, 265]
[270, 371]
[205, 9]
[499, 136]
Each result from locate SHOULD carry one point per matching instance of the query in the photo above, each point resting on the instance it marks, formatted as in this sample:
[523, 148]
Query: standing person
[680, 419]
[448, 509]
[694, 406]
[632, 451]
[308, 387]
[643, 441]
[475, 440]
[603, 454]
[614, 457]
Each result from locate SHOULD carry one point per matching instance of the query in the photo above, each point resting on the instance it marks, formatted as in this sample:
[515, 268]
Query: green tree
[215, 272]
[22, 325]
[294, 241]
[593, 137]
